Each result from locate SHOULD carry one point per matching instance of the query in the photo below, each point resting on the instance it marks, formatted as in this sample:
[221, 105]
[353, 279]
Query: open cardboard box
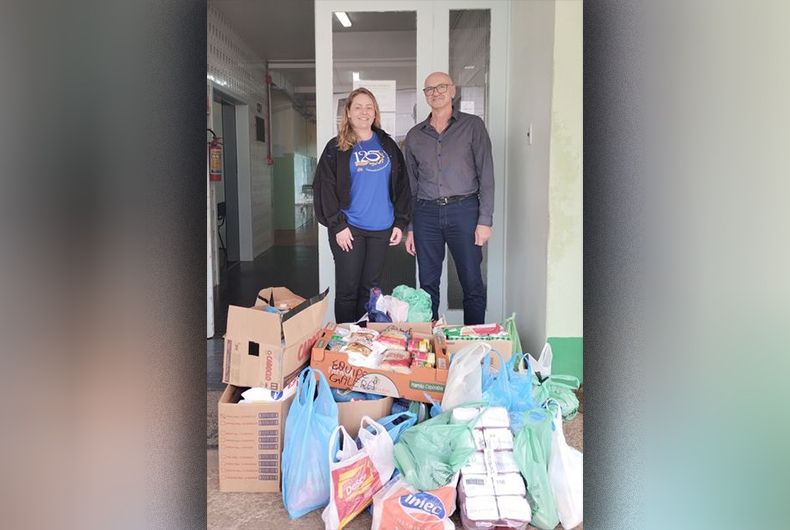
[340, 373]
[250, 442]
[268, 350]
[503, 346]
[350, 413]
[417, 327]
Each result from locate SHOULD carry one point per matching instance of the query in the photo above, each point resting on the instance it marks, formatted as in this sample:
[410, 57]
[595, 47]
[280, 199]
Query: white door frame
[433, 53]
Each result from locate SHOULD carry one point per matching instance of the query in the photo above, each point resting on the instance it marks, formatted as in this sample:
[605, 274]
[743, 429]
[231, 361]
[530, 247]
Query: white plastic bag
[542, 365]
[566, 476]
[358, 474]
[464, 379]
[398, 310]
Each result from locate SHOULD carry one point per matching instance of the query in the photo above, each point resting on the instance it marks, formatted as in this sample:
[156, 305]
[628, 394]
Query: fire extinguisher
[215, 158]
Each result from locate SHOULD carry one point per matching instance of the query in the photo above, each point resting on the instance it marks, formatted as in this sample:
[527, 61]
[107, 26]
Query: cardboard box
[350, 413]
[268, 350]
[503, 346]
[417, 327]
[250, 442]
[341, 374]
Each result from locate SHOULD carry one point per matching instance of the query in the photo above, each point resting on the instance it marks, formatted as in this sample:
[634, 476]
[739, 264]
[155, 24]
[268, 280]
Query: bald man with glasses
[451, 171]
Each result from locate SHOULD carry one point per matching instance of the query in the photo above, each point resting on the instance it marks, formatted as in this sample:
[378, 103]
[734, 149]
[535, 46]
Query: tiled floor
[247, 511]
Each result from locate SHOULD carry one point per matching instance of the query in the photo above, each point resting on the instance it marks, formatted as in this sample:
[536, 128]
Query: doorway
[392, 49]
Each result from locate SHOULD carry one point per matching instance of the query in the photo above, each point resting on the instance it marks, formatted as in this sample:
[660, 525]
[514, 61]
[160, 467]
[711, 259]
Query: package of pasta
[360, 333]
[363, 352]
[396, 361]
[394, 338]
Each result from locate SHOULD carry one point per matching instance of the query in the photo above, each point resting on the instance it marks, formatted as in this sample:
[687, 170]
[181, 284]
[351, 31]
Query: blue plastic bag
[496, 386]
[374, 315]
[396, 424]
[344, 396]
[521, 392]
[305, 467]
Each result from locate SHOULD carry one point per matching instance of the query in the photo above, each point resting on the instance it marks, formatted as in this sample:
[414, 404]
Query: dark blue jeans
[452, 224]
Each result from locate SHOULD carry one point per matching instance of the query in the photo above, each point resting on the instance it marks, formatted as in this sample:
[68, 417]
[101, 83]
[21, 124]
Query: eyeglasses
[441, 89]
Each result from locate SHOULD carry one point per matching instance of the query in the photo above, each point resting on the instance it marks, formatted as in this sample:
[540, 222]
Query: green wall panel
[567, 356]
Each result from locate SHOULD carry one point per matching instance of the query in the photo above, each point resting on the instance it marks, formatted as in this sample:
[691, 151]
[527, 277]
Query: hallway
[291, 263]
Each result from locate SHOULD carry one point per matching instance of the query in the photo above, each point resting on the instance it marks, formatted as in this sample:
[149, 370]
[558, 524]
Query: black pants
[357, 271]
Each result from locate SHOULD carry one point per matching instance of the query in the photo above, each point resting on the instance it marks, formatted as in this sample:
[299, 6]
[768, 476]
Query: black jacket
[332, 185]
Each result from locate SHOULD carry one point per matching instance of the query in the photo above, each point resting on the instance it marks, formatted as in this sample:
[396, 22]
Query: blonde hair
[346, 137]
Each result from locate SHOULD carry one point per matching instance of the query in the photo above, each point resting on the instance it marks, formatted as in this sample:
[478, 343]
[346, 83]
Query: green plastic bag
[510, 327]
[559, 388]
[431, 452]
[531, 449]
[419, 303]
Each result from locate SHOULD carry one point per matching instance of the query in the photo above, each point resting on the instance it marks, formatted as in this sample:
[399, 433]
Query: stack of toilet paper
[491, 491]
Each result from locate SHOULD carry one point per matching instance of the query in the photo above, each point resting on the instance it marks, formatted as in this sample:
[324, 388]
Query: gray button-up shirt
[456, 162]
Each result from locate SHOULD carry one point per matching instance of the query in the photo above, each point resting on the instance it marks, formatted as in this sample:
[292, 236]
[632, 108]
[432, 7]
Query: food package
[478, 510]
[498, 439]
[505, 462]
[476, 485]
[426, 359]
[394, 338]
[358, 332]
[465, 414]
[396, 361]
[509, 484]
[513, 511]
[420, 345]
[400, 506]
[480, 440]
[363, 352]
[475, 465]
[494, 418]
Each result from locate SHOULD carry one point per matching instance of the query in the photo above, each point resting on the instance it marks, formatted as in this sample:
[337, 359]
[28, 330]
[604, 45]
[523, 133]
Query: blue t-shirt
[370, 168]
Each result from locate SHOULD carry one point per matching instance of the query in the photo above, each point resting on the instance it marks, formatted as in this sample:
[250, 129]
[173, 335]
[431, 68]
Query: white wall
[564, 302]
[529, 102]
[291, 132]
[226, 53]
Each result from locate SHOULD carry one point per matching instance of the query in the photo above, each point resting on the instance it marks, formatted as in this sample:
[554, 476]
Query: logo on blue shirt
[374, 160]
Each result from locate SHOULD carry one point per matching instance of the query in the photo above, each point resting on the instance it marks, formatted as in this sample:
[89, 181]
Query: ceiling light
[469, 67]
[355, 76]
[343, 18]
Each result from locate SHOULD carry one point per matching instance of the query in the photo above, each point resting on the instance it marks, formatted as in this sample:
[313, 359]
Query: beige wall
[564, 282]
[529, 102]
[544, 179]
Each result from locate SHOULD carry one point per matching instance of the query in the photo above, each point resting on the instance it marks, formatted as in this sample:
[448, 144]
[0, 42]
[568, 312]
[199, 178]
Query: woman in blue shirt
[362, 195]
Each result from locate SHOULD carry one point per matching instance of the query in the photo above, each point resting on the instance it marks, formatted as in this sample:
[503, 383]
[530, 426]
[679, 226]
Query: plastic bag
[531, 450]
[542, 365]
[431, 452]
[560, 389]
[398, 310]
[510, 327]
[377, 306]
[396, 424]
[566, 475]
[400, 505]
[496, 384]
[310, 422]
[359, 474]
[520, 385]
[464, 379]
[420, 309]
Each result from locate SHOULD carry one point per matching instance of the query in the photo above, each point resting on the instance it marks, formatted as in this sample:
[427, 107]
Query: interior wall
[529, 102]
[236, 70]
[564, 289]
[291, 133]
